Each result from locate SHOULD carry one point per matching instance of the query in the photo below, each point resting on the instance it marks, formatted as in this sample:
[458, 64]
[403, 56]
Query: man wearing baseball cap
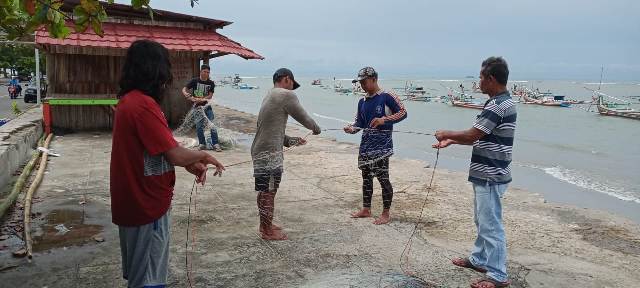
[266, 150]
[377, 112]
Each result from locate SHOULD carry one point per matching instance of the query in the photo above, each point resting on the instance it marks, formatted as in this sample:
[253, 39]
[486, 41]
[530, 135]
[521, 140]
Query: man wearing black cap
[377, 112]
[266, 150]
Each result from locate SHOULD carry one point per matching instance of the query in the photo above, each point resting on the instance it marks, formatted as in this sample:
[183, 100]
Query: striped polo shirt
[491, 156]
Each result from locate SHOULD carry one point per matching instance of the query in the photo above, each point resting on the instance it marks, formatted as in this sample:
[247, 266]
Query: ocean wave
[582, 181]
[519, 81]
[598, 83]
[448, 80]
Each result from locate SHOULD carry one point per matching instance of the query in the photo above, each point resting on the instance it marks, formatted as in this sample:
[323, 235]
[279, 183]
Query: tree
[19, 58]
[23, 17]
[6, 54]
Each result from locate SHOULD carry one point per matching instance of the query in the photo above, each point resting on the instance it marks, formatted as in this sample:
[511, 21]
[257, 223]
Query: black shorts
[267, 182]
[373, 164]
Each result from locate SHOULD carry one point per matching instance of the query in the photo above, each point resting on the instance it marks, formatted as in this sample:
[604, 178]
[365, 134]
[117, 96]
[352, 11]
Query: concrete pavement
[6, 111]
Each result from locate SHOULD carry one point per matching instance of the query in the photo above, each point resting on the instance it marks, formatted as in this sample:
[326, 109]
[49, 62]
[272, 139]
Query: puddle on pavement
[64, 228]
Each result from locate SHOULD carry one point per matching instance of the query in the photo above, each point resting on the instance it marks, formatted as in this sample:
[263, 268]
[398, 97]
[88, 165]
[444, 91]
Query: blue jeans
[200, 128]
[490, 248]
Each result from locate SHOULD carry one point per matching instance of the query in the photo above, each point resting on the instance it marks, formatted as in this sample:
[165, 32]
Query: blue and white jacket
[378, 143]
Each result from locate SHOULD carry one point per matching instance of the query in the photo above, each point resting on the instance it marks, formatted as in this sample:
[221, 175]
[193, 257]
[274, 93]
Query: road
[5, 102]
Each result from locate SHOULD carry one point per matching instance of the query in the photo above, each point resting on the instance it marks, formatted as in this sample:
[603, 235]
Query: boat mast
[601, 73]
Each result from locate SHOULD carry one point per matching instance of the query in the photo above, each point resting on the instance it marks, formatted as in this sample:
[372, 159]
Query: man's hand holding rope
[199, 169]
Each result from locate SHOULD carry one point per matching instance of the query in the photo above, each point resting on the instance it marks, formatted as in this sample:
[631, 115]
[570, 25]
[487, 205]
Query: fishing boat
[609, 108]
[338, 88]
[475, 87]
[245, 86]
[635, 97]
[460, 99]
[575, 102]
[316, 82]
[413, 92]
[227, 80]
[419, 98]
[544, 99]
[236, 80]
[342, 90]
[357, 90]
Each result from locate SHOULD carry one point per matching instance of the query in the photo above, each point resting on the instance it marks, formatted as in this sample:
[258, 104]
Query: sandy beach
[550, 245]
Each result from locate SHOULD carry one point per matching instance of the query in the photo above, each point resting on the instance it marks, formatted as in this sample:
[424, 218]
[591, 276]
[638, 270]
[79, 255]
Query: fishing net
[376, 145]
[197, 117]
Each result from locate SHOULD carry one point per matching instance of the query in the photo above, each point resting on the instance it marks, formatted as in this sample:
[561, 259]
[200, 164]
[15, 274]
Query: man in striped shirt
[489, 172]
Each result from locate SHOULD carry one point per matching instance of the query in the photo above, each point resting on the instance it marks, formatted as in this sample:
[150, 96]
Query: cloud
[549, 39]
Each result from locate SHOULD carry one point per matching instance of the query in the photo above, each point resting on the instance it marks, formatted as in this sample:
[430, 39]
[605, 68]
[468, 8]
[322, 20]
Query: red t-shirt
[141, 179]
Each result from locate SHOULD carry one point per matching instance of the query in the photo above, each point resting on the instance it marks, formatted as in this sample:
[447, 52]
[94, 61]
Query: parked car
[23, 76]
[30, 94]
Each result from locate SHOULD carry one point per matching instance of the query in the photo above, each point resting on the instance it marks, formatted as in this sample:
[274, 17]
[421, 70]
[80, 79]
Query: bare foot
[383, 219]
[273, 227]
[364, 213]
[274, 235]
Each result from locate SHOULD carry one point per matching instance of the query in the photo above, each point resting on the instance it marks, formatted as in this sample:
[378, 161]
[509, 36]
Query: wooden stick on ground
[27, 201]
[17, 187]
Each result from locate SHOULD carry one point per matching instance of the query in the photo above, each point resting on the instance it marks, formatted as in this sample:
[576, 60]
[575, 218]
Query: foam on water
[582, 181]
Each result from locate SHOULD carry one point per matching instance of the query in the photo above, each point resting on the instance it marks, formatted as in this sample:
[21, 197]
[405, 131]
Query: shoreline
[528, 177]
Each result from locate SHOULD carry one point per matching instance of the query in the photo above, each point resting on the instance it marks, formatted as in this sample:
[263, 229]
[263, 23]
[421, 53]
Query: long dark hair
[147, 68]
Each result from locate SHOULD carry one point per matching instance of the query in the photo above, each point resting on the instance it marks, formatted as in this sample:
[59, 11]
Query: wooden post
[46, 117]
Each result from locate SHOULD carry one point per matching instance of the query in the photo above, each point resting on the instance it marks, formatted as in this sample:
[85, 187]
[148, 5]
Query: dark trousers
[380, 169]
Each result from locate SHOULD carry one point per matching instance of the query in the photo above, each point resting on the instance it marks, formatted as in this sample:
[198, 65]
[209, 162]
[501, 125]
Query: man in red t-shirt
[143, 157]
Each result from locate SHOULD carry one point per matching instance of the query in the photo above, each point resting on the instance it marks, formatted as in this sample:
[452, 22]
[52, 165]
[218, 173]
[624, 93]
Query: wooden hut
[87, 66]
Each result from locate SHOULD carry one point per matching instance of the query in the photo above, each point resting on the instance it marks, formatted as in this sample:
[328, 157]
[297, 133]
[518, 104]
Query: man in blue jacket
[377, 112]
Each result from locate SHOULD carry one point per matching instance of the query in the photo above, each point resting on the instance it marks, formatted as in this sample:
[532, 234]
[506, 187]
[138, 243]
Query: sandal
[489, 283]
[465, 263]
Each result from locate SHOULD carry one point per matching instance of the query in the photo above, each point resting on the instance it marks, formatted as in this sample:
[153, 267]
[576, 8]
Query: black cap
[285, 72]
[364, 73]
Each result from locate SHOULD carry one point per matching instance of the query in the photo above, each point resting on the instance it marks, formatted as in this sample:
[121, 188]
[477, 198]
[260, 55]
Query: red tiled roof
[118, 35]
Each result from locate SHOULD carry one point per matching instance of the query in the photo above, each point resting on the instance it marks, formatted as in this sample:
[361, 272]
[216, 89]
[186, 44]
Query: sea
[569, 155]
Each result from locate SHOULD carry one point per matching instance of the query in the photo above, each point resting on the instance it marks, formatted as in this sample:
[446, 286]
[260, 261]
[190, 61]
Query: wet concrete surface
[69, 209]
[327, 248]
[64, 228]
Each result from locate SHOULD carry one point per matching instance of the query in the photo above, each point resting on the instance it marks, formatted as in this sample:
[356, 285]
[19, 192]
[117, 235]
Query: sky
[543, 39]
